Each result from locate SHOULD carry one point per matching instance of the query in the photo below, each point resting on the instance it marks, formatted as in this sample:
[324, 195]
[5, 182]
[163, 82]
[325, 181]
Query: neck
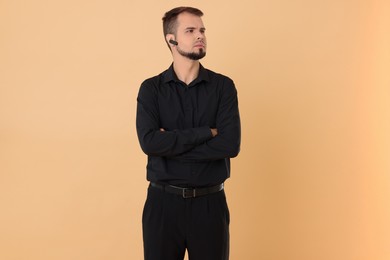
[186, 70]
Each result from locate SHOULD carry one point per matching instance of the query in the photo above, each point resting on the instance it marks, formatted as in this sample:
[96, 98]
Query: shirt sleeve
[227, 143]
[158, 143]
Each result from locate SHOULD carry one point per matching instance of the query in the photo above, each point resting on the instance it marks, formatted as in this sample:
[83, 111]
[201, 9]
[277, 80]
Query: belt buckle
[191, 195]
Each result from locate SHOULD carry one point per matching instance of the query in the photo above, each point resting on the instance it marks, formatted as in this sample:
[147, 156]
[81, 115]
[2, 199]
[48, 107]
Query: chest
[183, 107]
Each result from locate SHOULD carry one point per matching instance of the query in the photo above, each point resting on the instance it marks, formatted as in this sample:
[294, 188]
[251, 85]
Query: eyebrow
[189, 28]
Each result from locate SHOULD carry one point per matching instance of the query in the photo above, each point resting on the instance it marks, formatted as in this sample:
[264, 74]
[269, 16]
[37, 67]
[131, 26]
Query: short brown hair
[170, 18]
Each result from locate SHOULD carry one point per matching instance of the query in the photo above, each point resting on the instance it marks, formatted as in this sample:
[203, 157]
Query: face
[190, 35]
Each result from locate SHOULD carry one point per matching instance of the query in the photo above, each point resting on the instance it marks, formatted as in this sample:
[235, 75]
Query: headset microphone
[173, 42]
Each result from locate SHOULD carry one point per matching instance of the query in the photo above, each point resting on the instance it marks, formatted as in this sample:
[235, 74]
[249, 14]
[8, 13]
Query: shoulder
[220, 80]
[149, 87]
[152, 81]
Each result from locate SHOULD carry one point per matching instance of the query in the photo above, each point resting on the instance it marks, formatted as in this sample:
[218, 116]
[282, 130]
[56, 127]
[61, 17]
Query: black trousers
[172, 224]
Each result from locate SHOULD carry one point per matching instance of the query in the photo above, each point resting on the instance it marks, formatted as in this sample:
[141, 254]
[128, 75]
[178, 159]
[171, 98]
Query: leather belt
[188, 192]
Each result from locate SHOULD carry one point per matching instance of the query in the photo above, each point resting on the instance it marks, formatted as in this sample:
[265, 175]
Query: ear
[169, 36]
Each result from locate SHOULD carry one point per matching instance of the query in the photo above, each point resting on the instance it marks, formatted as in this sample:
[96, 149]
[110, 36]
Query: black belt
[188, 192]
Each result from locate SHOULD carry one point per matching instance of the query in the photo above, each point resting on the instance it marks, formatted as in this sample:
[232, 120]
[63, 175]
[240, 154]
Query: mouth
[199, 45]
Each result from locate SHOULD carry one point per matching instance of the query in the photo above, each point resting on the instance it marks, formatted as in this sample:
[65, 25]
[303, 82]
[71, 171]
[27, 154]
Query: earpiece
[173, 42]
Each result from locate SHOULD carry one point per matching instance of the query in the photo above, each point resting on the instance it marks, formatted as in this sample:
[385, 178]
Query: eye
[190, 30]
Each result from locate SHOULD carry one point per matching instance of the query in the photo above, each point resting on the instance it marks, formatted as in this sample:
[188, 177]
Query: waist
[188, 192]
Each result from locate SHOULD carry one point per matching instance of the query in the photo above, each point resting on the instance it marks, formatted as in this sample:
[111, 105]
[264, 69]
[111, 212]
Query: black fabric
[171, 224]
[188, 192]
[186, 153]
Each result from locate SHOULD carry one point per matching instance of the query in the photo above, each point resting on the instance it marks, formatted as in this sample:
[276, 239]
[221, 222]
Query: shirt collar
[170, 75]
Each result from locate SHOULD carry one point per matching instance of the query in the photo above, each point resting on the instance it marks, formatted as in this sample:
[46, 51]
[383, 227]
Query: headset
[173, 42]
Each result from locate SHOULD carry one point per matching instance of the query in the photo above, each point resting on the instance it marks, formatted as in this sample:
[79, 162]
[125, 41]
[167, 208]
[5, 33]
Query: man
[189, 126]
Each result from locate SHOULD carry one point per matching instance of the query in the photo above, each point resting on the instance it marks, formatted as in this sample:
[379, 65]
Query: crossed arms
[193, 144]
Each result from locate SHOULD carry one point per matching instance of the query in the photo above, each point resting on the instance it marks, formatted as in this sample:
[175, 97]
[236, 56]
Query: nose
[200, 36]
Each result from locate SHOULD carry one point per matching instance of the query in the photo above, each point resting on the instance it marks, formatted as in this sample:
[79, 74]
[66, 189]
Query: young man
[189, 126]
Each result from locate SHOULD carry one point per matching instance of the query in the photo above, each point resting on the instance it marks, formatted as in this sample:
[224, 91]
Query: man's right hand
[214, 131]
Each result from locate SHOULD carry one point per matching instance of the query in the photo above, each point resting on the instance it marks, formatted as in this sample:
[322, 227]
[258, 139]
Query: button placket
[188, 107]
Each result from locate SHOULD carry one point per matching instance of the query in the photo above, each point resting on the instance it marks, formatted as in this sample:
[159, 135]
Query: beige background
[312, 181]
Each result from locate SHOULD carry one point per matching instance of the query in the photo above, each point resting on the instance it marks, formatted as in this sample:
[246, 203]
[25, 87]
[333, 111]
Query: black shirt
[186, 154]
